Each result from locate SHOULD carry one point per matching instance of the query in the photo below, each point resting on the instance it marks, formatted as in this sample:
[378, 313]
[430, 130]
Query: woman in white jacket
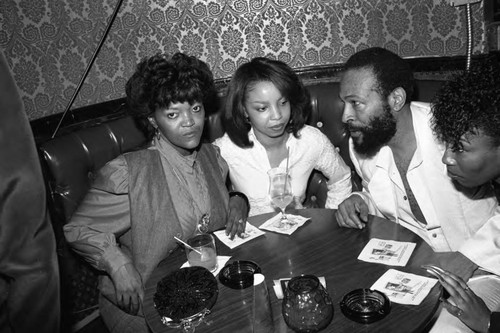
[265, 113]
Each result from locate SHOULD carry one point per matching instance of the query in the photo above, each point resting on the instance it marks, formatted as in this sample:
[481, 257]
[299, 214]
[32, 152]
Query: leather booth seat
[70, 160]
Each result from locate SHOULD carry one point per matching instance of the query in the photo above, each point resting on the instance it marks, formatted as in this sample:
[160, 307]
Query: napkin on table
[387, 252]
[282, 283]
[404, 288]
[250, 233]
[273, 223]
[221, 261]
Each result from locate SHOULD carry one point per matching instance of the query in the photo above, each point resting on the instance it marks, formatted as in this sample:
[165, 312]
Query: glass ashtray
[239, 274]
[185, 296]
[365, 305]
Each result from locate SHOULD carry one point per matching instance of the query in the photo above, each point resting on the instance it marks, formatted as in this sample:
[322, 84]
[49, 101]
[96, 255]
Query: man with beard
[398, 158]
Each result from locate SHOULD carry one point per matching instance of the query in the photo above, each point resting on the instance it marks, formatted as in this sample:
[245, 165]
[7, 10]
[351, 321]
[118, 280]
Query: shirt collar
[168, 151]
[289, 142]
[385, 158]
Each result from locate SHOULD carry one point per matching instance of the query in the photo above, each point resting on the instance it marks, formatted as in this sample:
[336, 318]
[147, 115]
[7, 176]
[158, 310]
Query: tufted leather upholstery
[70, 160]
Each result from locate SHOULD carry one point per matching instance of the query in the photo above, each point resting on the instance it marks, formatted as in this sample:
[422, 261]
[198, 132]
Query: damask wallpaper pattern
[49, 43]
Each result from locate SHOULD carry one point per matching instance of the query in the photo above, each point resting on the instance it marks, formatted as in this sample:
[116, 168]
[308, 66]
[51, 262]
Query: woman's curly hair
[160, 80]
[468, 103]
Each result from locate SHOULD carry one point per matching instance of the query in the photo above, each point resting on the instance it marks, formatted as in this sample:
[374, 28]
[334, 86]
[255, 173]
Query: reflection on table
[320, 248]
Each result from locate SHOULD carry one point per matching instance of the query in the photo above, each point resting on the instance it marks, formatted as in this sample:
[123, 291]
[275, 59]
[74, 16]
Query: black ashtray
[239, 274]
[365, 305]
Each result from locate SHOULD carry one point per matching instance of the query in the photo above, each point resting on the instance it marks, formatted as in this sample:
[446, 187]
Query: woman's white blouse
[248, 168]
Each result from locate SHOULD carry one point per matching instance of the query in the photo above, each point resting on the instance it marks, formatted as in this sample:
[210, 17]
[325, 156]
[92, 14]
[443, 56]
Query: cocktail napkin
[273, 224]
[404, 288]
[387, 252]
[281, 284]
[250, 233]
[221, 261]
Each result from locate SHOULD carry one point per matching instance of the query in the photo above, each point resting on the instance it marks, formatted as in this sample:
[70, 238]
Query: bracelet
[241, 195]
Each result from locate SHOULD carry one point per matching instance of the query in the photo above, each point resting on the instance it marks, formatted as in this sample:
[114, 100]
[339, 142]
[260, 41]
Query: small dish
[239, 274]
[365, 305]
[185, 296]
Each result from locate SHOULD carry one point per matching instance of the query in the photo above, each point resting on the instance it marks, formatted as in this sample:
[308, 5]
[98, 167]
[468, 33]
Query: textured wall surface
[49, 43]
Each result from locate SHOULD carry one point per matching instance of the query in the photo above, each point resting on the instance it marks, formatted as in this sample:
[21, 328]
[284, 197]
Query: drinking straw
[286, 170]
[287, 158]
[187, 245]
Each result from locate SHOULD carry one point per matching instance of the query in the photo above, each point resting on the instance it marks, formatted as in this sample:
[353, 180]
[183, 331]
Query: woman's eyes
[266, 107]
[175, 114]
[458, 149]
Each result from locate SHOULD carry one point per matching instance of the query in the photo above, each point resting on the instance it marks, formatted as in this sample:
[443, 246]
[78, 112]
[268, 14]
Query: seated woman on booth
[141, 200]
[466, 117]
[264, 117]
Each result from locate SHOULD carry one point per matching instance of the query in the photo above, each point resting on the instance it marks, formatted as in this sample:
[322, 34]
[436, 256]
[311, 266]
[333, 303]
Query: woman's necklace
[176, 165]
[204, 222]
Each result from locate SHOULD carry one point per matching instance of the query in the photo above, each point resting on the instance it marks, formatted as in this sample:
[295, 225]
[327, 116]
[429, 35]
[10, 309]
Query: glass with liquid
[203, 252]
[280, 192]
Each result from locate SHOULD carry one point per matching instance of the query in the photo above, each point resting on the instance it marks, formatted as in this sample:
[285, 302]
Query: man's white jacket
[458, 219]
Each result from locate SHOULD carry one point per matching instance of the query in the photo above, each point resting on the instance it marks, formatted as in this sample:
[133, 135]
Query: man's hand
[238, 213]
[352, 213]
[129, 288]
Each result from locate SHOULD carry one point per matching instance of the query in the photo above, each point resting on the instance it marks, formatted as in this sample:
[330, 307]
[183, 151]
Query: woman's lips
[191, 134]
[277, 127]
[453, 175]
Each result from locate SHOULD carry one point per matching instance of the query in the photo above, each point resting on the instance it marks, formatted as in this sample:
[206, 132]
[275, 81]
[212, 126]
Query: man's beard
[377, 134]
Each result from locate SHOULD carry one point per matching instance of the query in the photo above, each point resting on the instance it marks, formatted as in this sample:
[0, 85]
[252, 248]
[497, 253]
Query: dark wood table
[320, 248]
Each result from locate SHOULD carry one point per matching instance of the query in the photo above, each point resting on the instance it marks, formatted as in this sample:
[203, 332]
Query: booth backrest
[69, 161]
[68, 164]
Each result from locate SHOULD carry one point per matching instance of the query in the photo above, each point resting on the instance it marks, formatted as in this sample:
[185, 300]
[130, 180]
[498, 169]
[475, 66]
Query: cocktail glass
[202, 252]
[280, 192]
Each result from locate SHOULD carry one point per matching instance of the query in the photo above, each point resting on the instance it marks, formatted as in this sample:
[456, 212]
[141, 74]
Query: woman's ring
[240, 221]
[460, 312]
[466, 288]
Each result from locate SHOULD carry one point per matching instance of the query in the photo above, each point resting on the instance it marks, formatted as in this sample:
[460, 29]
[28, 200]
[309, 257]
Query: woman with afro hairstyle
[466, 116]
[143, 199]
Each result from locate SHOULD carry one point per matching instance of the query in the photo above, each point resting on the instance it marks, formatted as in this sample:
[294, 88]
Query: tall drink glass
[280, 192]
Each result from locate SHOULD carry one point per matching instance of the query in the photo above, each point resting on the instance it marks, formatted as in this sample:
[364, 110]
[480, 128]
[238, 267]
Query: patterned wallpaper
[49, 43]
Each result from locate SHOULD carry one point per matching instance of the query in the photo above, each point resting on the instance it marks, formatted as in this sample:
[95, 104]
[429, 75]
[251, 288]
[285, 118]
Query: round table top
[320, 247]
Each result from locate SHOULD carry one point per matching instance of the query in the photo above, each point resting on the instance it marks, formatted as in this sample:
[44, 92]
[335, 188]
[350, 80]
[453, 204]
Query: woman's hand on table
[238, 213]
[352, 213]
[129, 288]
[469, 308]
